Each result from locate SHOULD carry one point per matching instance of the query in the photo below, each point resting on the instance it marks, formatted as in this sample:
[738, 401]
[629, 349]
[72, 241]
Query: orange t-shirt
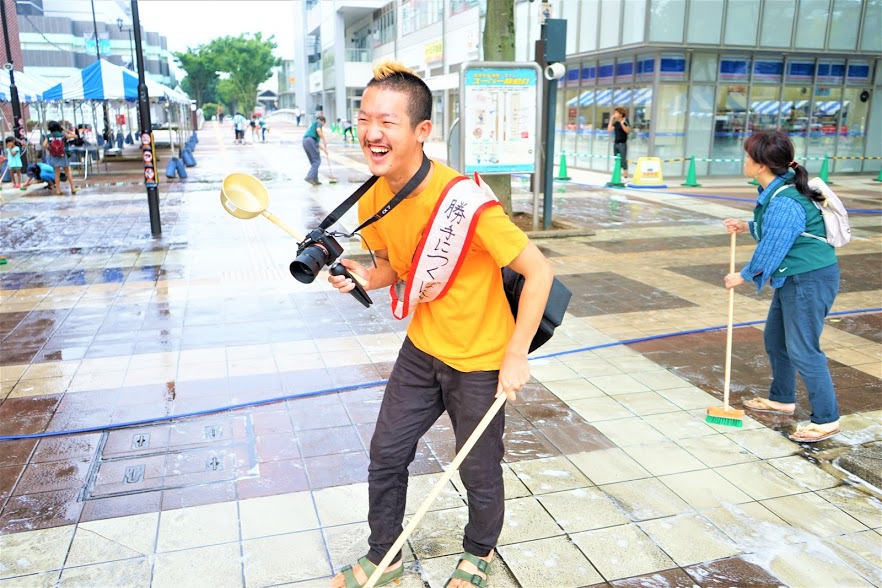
[470, 326]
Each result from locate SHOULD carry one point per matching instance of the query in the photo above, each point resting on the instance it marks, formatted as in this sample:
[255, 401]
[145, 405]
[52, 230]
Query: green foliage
[247, 61]
[202, 77]
[209, 109]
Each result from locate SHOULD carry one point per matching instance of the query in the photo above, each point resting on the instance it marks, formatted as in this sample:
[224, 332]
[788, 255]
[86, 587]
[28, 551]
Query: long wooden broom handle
[436, 490]
[728, 372]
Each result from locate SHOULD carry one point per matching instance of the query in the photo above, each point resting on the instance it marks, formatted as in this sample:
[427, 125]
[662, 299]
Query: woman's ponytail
[802, 185]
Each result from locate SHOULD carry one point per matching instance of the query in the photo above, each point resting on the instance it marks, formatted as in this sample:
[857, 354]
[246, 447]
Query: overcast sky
[190, 23]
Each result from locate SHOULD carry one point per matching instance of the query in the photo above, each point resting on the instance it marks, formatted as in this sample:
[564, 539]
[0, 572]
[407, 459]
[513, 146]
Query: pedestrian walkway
[613, 477]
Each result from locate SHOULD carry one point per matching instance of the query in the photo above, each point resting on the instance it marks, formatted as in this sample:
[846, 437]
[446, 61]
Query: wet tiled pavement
[612, 475]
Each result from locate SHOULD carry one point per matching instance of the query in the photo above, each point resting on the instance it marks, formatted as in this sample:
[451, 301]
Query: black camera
[319, 249]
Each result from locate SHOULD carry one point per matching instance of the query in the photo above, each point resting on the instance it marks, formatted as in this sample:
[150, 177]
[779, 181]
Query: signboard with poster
[500, 117]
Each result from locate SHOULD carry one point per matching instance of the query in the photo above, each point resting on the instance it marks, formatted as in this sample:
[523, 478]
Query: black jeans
[621, 149]
[419, 390]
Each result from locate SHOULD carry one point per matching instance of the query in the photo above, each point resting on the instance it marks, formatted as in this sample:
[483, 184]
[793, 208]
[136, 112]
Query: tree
[499, 45]
[248, 62]
[201, 71]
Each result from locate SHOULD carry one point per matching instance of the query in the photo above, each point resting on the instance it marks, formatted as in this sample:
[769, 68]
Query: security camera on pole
[551, 50]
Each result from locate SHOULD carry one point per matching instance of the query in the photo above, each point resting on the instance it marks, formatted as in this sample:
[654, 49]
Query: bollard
[616, 180]
[562, 168]
[691, 180]
[823, 173]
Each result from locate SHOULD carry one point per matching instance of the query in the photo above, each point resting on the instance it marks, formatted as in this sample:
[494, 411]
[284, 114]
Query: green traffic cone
[616, 181]
[562, 168]
[691, 180]
[823, 173]
[879, 177]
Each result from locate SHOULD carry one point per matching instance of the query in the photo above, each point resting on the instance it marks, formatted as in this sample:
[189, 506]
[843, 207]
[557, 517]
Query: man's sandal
[473, 579]
[368, 568]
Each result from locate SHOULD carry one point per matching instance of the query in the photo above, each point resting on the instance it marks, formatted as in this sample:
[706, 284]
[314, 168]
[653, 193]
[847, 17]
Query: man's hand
[344, 284]
[514, 373]
[733, 279]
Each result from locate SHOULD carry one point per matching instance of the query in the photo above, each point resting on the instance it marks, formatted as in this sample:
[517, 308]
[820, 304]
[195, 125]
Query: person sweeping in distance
[463, 347]
[792, 255]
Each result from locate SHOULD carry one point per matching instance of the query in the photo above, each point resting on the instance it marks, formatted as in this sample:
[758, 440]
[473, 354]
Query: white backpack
[832, 211]
[834, 214]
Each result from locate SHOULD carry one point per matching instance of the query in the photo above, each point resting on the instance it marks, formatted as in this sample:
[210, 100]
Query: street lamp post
[119, 23]
[106, 132]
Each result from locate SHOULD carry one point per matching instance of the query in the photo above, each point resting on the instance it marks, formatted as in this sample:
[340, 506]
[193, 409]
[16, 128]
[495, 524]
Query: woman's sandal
[473, 579]
[368, 568]
[764, 406]
[811, 433]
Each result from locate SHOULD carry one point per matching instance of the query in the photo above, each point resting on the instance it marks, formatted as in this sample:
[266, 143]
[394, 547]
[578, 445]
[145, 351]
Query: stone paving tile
[604, 549]
[555, 559]
[132, 572]
[216, 565]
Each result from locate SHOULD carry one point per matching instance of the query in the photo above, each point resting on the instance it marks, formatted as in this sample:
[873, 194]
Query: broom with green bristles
[728, 416]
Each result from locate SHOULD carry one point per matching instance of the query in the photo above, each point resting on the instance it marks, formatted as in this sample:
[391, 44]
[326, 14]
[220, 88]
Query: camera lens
[307, 265]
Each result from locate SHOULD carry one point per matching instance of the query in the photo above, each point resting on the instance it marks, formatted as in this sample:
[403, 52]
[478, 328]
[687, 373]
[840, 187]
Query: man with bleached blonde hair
[441, 250]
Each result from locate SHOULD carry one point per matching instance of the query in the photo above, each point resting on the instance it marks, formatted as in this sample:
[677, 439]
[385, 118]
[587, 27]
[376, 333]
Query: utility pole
[119, 23]
[146, 133]
[17, 123]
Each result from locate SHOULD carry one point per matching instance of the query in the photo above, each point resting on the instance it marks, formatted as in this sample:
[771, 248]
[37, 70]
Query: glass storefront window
[811, 28]
[795, 120]
[741, 20]
[853, 129]
[669, 125]
[705, 21]
[588, 21]
[777, 23]
[704, 67]
[635, 16]
[666, 19]
[765, 108]
[871, 39]
[730, 127]
[624, 72]
[823, 125]
[768, 70]
[570, 123]
[734, 68]
[639, 107]
[610, 22]
[831, 72]
[645, 67]
[701, 121]
[845, 22]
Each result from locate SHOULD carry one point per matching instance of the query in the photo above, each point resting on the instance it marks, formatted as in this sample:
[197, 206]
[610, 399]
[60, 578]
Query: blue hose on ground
[378, 383]
[735, 198]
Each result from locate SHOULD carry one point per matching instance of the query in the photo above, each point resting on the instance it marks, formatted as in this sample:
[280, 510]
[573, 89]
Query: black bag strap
[409, 187]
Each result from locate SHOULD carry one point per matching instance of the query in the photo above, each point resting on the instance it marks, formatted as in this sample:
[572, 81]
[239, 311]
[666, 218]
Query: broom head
[730, 417]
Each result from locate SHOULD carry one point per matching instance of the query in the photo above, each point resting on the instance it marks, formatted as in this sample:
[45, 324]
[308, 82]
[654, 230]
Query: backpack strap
[803, 234]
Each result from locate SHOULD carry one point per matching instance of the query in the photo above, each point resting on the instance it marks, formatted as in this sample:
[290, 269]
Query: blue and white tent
[30, 87]
[103, 80]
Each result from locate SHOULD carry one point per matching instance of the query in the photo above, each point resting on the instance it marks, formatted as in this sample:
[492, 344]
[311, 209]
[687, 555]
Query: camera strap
[409, 187]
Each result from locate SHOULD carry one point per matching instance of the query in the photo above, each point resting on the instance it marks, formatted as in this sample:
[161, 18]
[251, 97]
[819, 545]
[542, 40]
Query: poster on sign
[499, 122]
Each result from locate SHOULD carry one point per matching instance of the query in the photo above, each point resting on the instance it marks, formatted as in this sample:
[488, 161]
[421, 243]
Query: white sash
[444, 244]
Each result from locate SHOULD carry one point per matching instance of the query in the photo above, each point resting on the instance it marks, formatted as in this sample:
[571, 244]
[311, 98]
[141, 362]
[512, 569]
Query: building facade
[697, 76]
[58, 38]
